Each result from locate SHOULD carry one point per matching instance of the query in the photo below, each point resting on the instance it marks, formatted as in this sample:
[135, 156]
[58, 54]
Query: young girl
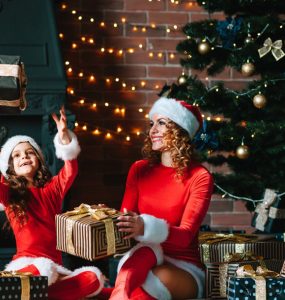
[167, 196]
[32, 198]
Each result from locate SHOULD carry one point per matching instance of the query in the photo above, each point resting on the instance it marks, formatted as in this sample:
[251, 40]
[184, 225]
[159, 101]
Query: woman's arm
[147, 228]
[194, 213]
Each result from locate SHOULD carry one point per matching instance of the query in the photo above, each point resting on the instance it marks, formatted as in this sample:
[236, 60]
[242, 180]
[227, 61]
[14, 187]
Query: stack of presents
[248, 266]
[238, 265]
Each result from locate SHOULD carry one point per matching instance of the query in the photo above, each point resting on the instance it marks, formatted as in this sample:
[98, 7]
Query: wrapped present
[269, 216]
[253, 284]
[24, 286]
[214, 247]
[90, 232]
[218, 273]
[13, 82]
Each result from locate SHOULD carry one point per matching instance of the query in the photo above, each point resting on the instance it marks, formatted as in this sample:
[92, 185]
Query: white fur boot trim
[95, 270]
[45, 266]
[155, 287]
[156, 248]
[69, 151]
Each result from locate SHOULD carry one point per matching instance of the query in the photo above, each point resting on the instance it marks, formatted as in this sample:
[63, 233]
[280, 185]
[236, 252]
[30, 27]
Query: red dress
[37, 238]
[156, 191]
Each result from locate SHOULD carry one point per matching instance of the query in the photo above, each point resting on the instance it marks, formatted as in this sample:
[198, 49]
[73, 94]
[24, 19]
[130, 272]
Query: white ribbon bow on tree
[275, 48]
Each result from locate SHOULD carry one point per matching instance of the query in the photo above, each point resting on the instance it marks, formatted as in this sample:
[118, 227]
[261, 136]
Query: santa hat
[180, 112]
[8, 147]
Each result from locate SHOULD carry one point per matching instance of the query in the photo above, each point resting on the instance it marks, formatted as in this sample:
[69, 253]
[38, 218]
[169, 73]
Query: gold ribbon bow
[233, 258]
[25, 281]
[211, 238]
[208, 238]
[259, 275]
[238, 257]
[275, 48]
[100, 213]
[262, 209]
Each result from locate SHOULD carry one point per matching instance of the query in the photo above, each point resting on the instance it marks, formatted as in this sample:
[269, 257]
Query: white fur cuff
[155, 230]
[69, 151]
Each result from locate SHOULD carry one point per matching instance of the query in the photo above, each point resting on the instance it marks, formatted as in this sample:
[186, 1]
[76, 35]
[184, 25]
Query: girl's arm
[62, 129]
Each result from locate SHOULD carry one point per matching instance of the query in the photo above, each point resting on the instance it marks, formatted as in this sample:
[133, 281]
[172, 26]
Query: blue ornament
[228, 30]
[205, 139]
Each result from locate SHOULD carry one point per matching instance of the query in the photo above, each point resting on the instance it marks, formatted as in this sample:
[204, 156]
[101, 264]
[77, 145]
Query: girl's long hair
[19, 194]
[178, 142]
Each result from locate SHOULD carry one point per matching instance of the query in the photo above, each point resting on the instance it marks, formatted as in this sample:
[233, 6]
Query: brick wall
[145, 33]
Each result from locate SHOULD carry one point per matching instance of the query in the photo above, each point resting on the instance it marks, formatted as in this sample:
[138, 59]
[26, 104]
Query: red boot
[133, 269]
[105, 293]
[30, 269]
[83, 282]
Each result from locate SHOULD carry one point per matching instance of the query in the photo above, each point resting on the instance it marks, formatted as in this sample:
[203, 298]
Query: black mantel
[28, 28]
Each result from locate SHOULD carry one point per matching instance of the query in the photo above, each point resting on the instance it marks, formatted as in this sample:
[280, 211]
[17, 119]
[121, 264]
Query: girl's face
[158, 128]
[25, 161]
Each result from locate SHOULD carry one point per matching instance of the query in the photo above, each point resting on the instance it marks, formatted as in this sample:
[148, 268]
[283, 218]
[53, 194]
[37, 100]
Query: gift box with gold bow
[214, 247]
[218, 273]
[90, 232]
[250, 284]
[269, 215]
[13, 82]
[24, 286]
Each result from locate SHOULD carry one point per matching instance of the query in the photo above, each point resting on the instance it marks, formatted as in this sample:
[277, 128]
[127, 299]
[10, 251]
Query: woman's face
[158, 128]
[25, 161]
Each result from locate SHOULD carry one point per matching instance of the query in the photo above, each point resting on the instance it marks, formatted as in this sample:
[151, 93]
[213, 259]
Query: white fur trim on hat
[69, 151]
[176, 112]
[2, 207]
[156, 248]
[8, 147]
[155, 230]
[155, 287]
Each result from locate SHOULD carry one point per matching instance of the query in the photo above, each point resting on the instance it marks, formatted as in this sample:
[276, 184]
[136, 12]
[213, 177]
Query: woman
[167, 196]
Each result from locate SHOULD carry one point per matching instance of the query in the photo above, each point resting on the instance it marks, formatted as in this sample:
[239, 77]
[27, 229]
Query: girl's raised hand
[61, 125]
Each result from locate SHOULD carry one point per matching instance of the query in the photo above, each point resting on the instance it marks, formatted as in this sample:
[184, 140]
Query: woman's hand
[62, 126]
[132, 224]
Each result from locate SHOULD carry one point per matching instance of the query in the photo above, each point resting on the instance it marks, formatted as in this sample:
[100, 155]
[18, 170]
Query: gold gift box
[90, 232]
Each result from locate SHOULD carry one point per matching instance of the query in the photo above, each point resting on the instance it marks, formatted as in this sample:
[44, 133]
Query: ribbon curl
[274, 47]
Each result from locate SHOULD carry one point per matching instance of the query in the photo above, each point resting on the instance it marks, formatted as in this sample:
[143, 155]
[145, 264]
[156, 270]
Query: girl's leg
[37, 266]
[83, 282]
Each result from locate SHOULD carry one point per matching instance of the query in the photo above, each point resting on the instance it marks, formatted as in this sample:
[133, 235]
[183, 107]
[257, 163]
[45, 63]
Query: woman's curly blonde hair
[19, 194]
[178, 142]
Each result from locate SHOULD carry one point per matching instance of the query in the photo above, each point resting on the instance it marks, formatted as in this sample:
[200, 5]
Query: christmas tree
[246, 126]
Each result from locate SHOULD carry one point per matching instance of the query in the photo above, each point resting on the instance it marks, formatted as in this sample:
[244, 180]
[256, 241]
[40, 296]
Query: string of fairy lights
[88, 77]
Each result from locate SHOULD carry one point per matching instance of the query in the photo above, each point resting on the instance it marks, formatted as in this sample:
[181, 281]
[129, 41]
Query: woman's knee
[180, 283]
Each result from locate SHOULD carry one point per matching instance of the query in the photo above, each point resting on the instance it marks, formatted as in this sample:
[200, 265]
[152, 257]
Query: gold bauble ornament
[182, 79]
[242, 152]
[247, 69]
[259, 101]
[203, 47]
